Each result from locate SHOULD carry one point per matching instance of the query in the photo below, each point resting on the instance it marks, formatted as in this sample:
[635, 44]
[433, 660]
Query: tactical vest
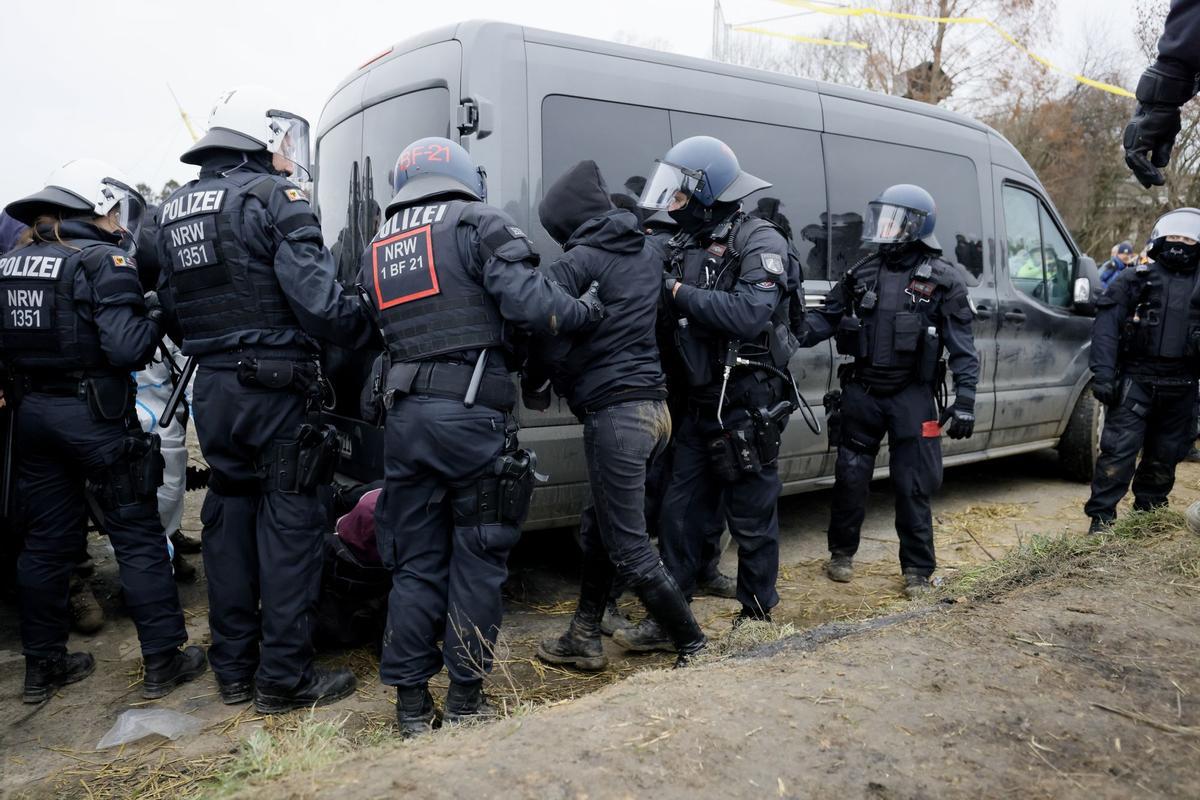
[428, 300]
[1160, 315]
[219, 287]
[42, 330]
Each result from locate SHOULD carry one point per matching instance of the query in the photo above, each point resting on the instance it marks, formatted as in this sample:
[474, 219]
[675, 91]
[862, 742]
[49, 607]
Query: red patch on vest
[404, 268]
[923, 288]
[717, 249]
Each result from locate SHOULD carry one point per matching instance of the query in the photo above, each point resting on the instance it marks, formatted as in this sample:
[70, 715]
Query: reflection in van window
[622, 139]
[859, 169]
[790, 159]
[388, 128]
[339, 194]
[1040, 261]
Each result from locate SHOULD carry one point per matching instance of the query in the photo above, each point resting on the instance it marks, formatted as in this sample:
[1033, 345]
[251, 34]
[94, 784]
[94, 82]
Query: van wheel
[1080, 442]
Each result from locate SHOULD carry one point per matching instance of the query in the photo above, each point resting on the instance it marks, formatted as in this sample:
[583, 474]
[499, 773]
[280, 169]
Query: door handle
[983, 312]
[1015, 315]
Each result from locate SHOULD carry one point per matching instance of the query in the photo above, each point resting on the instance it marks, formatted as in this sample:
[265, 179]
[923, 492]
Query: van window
[1039, 259]
[791, 160]
[339, 194]
[388, 128]
[859, 169]
[622, 139]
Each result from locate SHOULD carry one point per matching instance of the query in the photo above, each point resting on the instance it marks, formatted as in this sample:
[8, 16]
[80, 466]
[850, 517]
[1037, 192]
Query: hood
[576, 197]
[617, 231]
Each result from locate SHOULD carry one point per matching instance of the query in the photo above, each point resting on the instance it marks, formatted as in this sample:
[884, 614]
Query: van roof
[471, 31]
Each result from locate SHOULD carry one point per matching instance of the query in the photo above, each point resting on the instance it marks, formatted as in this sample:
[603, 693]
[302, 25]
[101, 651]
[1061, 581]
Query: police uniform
[1140, 347]
[895, 316]
[74, 328]
[448, 277]
[733, 280]
[252, 291]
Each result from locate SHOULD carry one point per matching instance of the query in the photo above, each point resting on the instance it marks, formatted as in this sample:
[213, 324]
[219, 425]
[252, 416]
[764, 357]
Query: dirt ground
[844, 720]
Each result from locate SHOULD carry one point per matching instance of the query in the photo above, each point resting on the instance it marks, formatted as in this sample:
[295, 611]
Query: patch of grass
[1049, 556]
[746, 637]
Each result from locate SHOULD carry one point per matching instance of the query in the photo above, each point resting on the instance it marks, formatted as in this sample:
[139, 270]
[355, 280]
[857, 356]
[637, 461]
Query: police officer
[448, 275]
[75, 324]
[1164, 87]
[895, 313]
[253, 292]
[725, 284]
[1144, 364]
[613, 382]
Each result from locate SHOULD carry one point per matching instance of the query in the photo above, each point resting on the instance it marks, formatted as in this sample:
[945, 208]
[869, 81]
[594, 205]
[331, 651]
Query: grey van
[529, 103]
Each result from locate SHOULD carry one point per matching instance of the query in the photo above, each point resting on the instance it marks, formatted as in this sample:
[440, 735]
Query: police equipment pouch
[930, 359]
[134, 477]
[722, 459]
[736, 451]
[833, 416]
[109, 397]
[263, 373]
[783, 345]
[300, 465]
[906, 335]
[850, 338]
[695, 353]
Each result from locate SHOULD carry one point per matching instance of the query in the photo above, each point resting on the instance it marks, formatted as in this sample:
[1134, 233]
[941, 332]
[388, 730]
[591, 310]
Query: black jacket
[618, 360]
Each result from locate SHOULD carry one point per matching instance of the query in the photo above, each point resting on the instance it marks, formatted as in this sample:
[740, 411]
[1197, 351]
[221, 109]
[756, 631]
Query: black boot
[580, 646]
[236, 692]
[465, 703]
[614, 619]
[44, 676]
[414, 711]
[324, 687]
[663, 599]
[750, 615]
[165, 671]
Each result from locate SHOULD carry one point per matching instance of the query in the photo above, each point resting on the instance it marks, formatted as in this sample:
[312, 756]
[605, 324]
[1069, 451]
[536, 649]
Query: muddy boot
[580, 647]
[750, 615]
[916, 585]
[665, 602]
[614, 619]
[236, 692]
[86, 615]
[718, 585]
[465, 703]
[840, 568]
[414, 711]
[165, 671]
[323, 688]
[44, 676]
[1100, 526]
[184, 572]
[184, 543]
[645, 637]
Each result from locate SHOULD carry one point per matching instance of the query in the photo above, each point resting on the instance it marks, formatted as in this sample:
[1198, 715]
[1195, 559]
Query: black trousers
[695, 500]
[1159, 421]
[57, 446]
[262, 550]
[915, 459]
[446, 577]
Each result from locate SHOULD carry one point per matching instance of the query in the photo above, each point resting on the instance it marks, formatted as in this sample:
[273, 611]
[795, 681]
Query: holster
[109, 397]
[768, 430]
[134, 477]
[502, 497]
[300, 465]
[736, 452]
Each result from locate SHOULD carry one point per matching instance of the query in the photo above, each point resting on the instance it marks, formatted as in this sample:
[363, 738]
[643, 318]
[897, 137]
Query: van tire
[1080, 442]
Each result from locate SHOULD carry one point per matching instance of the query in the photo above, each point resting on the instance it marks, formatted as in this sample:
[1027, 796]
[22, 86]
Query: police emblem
[772, 263]
[121, 261]
[294, 194]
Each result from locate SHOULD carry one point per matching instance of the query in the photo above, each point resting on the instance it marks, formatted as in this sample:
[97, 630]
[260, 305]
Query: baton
[176, 397]
[476, 379]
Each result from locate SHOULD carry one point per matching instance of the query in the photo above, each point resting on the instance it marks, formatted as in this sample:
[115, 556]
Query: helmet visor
[1181, 222]
[889, 224]
[670, 187]
[292, 144]
[131, 208]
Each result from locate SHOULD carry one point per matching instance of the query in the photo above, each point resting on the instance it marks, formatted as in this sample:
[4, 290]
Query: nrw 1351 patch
[404, 268]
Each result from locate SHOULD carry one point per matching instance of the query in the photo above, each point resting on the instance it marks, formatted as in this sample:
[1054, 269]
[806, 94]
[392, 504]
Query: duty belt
[444, 379]
[69, 385]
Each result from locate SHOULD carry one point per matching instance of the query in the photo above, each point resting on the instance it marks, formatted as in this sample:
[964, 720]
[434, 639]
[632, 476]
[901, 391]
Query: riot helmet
[432, 166]
[1175, 239]
[83, 187]
[253, 119]
[901, 214]
[700, 169]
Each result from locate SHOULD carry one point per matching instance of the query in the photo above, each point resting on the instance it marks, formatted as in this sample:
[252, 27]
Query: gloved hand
[154, 309]
[1105, 392]
[962, 420]
[591, 299]
[669, 282]
[535, 392]
[1150, 134]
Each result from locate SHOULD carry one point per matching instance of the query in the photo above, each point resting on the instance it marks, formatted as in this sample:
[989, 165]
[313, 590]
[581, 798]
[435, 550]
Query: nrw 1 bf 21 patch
[404, 268]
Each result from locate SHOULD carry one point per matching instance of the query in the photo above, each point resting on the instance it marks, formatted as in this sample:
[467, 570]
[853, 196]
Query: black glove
[591, 299]
[1150, 134]
[962, 419]
[154, 309]
[534, 396]
[1105, 392]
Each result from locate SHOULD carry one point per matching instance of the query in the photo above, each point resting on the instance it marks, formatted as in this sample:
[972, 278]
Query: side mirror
[1086, 287]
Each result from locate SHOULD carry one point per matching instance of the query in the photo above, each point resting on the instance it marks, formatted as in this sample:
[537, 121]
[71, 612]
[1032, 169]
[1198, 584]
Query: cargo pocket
[907, 332]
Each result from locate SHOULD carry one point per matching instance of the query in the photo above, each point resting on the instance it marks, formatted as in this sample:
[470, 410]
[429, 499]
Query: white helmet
[84, 185]
[251, 119]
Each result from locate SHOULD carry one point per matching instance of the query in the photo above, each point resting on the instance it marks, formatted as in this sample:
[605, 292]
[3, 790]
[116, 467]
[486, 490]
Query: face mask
[692, 217]
[1178, 256]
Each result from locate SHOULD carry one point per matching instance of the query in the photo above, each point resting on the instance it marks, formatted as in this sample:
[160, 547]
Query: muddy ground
[851, 713]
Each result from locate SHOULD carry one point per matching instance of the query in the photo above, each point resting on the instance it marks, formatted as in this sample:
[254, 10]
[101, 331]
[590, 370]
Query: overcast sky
[90, 78]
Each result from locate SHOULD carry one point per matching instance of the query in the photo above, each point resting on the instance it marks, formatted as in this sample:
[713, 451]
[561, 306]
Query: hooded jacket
[617, 361]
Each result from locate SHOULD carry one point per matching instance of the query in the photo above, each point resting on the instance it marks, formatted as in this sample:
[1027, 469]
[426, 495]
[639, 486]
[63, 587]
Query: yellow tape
[838, 11]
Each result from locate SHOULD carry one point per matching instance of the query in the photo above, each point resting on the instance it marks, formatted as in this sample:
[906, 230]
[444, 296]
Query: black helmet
[900, 214]
[433, 166]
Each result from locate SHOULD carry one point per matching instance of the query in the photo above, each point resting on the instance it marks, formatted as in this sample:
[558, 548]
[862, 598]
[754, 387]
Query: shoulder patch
[121, 261]
[765, 284]
[515, 232]
[294, 194]
[772, 263]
